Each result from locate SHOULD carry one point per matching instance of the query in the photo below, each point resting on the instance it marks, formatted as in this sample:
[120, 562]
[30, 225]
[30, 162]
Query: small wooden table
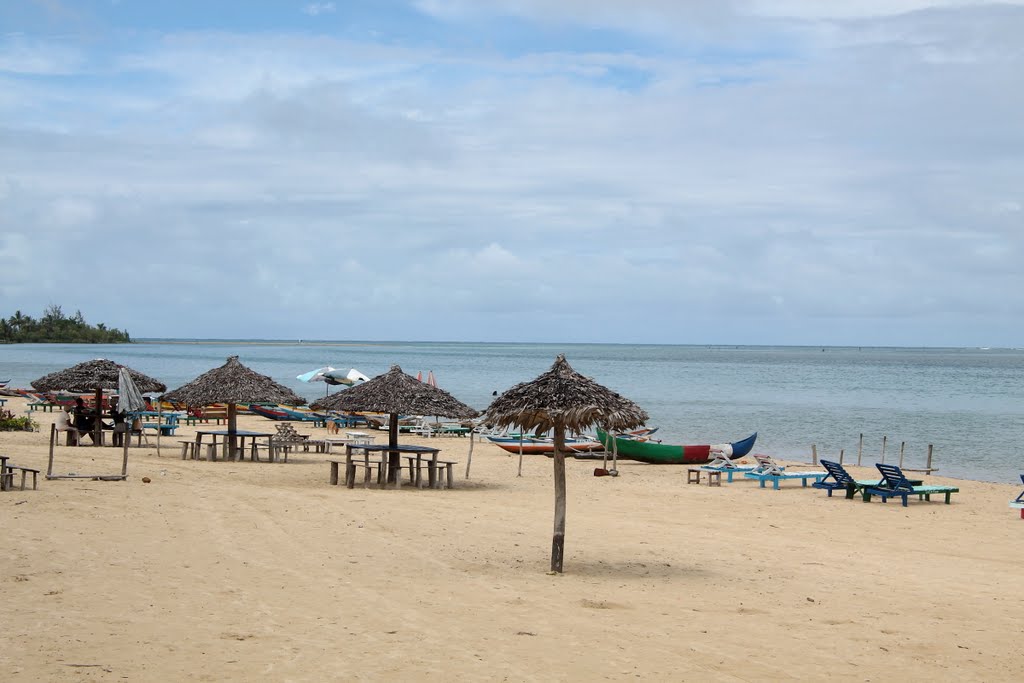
[386, 467]
[240, 433]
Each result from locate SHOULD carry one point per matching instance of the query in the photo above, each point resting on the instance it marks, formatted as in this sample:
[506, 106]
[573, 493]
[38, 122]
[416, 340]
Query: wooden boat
[543, 445]
[668, 454]
[271, 412]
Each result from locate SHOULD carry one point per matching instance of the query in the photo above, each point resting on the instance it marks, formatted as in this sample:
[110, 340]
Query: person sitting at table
[65, 423]
[120, 426]
[85, 420]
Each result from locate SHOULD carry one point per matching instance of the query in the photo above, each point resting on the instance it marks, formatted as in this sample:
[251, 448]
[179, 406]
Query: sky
[622, 171]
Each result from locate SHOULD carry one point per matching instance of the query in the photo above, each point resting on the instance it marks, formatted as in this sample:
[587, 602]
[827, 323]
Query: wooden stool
[188, 450]
[714, 478]
[693, 475]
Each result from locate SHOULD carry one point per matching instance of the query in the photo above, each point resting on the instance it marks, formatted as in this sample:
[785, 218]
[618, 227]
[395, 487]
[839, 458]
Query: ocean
[968, 404]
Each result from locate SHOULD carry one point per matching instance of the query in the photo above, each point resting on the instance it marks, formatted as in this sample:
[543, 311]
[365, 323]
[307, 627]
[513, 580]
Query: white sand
[254, 571]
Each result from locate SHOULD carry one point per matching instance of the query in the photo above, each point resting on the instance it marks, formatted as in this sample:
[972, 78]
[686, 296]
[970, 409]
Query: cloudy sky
[720, 171]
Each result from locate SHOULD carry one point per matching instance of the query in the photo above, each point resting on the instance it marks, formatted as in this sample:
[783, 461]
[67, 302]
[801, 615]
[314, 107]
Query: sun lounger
[776, 477]
[839, 478]
[895, 485]
[729, 472]
[1018, 502]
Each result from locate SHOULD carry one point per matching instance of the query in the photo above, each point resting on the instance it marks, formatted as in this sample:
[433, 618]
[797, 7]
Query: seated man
[85, 419]
[65, 424]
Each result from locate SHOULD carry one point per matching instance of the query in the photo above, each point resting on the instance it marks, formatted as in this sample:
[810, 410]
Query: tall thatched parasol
[558, 400]
[96, 376]
[233, 383]
[396, 393]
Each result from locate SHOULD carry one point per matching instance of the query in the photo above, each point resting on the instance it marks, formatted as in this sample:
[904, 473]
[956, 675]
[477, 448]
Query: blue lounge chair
[1018, 502]
[895, 485]
[839, 478]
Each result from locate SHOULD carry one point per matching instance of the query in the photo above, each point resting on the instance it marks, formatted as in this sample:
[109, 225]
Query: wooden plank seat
[10, 470]
[195, 419]
[434, 469]
[188, 450]
[369, 465]
[714, 476]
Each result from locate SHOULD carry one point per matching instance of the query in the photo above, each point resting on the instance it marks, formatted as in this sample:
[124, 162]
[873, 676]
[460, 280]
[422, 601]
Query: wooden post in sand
[883, 448]
[840, 456]
[902, 445]
[929, 465]
[814, 454]
[860, 448]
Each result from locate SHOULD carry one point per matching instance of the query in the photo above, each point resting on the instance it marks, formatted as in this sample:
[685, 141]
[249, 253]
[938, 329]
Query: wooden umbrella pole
[159, 429]
[604, 459]
[232, 431]
[469, 458]
[394, 457]
[127, 437]
[49, 464]
[558, 539]
[97, 436]
[520, 452]
[615, 456]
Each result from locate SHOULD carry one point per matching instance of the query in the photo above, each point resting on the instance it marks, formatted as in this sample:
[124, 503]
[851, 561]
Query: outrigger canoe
[668, 454]
[545, 445]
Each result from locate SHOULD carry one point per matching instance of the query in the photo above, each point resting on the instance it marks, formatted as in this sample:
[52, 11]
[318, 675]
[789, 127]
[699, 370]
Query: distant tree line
[55, 327]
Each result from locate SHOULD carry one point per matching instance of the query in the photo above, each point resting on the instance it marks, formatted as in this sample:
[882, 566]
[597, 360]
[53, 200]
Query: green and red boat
[669, 454]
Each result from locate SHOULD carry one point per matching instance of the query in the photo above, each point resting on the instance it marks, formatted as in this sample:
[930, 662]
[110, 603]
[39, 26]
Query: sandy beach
[242, 571]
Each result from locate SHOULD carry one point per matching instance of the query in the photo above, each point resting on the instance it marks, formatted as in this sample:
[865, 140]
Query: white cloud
[317, 8]
[870, 170]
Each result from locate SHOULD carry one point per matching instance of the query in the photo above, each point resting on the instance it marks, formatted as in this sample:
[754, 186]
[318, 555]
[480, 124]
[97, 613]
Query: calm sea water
[967, 403]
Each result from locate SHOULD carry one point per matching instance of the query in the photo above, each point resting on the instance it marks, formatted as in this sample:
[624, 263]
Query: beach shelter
[95, 376]
[562, 399]
[396, 393]
[232, 383]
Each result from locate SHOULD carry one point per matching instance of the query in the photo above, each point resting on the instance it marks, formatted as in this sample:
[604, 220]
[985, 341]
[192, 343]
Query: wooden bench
[433, 471]
[9, 474]
[714, 476]
[195, 419]
[369, 465]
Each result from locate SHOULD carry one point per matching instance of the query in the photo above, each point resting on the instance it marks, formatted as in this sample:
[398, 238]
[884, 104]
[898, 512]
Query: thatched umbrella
[558, 400]
[396, 393]
[233, 383]
[95, 376]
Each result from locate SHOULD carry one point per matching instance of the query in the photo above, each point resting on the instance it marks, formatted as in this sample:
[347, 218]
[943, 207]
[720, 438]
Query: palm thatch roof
[395, 392]
[92, 375]
[562, 394]
[233, 383]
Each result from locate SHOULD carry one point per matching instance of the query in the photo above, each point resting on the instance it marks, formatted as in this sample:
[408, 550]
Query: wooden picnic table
[241, 434]
[384, 466]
